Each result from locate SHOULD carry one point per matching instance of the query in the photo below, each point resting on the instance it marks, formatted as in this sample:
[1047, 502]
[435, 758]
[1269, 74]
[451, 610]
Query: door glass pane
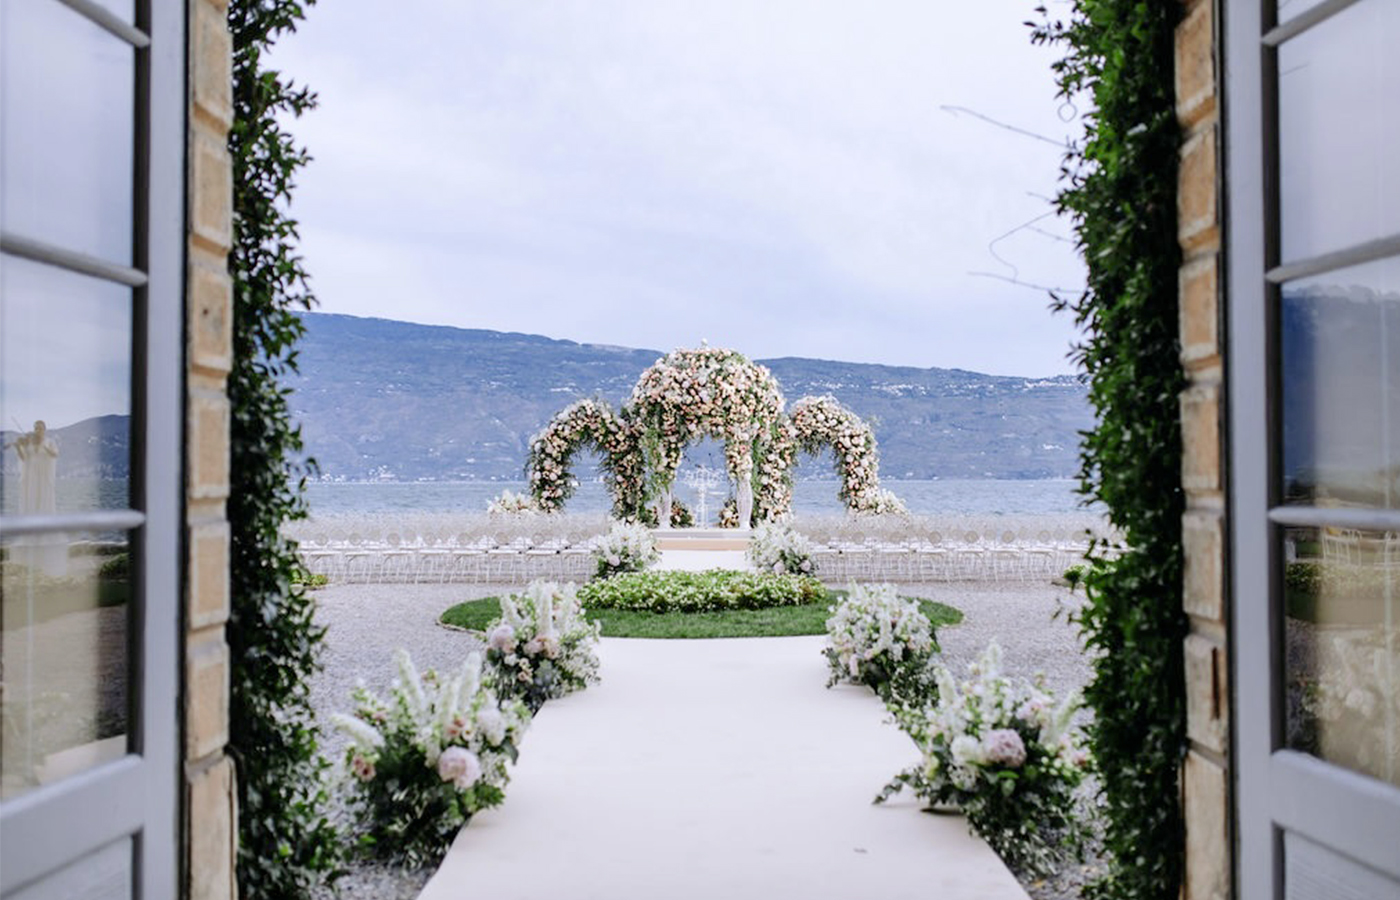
[1340, 387]
[66, 120]
[1342, 598]
[65, 365]
[1291, 9]
[107, 874]
[1339, 127]
[64, 655]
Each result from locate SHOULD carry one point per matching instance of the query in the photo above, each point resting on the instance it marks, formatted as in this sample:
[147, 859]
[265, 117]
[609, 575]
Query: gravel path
[366, 623]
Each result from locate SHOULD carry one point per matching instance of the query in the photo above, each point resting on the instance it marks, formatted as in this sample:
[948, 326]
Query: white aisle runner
[715, 770]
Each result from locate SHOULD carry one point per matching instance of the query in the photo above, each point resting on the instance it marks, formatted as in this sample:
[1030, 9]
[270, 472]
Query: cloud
[779, 174]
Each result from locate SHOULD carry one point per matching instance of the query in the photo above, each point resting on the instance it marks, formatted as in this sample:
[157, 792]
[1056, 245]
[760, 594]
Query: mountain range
[388, 399]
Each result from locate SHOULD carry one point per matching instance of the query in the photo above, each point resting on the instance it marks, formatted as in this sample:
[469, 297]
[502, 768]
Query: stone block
[211, 190]
[206, 694]
[211, 64]
[1195, 66]
[1200, 434]
[1203, 585]
[1199, 300]
[1206, 798]
[1207, 693]
[212, 806]
[209, 575]
[211, 319]
[208, 437]
[1197, 194]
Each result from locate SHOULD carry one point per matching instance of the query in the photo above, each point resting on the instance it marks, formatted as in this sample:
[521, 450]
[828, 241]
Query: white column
[743, 495]
[663, 514]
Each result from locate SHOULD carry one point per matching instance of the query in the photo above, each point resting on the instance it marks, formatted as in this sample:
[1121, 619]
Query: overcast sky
[778, 176]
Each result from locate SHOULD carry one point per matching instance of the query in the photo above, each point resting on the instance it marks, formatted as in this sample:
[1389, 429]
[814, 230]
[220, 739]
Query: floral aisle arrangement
[1004, 751]
[429, 756]
[879, 639]
[777, 548]
[628, 547]
[542, 647]
[509, 503]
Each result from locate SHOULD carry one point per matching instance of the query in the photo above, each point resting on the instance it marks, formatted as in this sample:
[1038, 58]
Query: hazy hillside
[380, 398]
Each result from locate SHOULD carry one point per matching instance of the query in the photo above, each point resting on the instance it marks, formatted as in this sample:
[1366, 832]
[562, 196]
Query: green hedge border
[713, 590]
[1120, 190]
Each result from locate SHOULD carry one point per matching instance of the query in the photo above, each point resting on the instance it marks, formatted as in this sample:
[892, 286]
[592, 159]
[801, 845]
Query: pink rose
[502, 638]
[362, 768]
[459, 766]
[1003, 746]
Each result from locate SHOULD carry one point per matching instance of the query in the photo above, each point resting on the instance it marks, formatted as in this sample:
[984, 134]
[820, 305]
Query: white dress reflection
[38, 458]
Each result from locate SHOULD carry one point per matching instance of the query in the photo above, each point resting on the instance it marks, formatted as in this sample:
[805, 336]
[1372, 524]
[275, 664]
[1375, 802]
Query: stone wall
[1206, 775]
[208, 806]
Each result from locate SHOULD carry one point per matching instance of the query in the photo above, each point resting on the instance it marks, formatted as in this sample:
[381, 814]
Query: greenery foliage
[286, 847]
[777, 621]
[716, 589]
[1120, 191]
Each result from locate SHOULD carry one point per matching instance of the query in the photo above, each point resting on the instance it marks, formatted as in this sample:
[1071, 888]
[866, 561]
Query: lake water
[974, 497]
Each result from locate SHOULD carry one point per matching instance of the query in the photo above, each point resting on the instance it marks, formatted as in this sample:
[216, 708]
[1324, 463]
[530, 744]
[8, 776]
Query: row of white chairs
[937, 562]
[395, 563]
[441, 565]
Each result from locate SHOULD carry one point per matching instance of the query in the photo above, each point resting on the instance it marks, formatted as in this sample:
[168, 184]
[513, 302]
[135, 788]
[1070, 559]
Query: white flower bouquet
[542, 646]
[777, 548]
[427, 758]
[509, 503]
[877, 638]
[628, 547]
[1004, 751]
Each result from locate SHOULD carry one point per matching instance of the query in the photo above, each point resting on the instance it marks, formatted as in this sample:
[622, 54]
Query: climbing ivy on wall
[286, 845]
[1119, 188]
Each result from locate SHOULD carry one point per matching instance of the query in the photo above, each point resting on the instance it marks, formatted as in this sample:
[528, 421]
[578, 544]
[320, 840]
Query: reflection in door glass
[65, 390]
[63, 654]
[1342, 599]
[1339, 342]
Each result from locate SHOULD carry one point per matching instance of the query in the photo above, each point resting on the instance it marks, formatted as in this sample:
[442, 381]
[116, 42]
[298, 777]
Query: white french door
[92, 188]
[1312, 111]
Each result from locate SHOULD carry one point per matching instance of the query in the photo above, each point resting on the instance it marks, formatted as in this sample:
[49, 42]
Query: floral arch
[587, 422]
[825, 422]
[706, 392]
[690, 394]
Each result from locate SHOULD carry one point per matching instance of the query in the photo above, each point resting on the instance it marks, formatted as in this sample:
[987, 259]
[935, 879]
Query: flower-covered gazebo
[691, 394]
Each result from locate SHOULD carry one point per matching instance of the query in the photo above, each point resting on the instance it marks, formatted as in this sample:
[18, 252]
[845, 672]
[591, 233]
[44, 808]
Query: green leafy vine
[1119, 188]
[286, 846]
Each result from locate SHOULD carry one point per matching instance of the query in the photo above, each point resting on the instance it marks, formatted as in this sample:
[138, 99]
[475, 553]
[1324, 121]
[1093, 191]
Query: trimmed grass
[777, 621]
